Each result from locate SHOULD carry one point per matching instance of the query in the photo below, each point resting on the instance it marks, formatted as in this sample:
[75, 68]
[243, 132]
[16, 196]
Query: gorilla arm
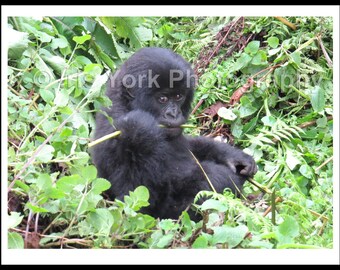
[206, 149]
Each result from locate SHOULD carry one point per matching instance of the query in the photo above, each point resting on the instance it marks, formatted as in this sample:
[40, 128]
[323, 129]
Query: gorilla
[151, 98]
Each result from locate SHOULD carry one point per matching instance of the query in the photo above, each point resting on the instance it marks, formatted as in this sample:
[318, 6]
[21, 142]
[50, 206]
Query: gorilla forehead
[159, 68]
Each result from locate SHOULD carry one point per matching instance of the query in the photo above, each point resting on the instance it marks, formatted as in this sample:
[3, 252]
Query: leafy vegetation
[265, 85]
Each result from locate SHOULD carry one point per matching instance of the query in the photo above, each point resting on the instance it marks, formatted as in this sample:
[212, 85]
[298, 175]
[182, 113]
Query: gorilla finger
[232, 166]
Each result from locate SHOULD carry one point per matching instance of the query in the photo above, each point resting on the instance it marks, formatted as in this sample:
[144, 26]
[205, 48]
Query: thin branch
[206, 176]
[286, 22]
[328, 59]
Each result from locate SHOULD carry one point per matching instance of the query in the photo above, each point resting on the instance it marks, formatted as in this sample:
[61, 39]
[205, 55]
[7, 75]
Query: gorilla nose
[171, 113]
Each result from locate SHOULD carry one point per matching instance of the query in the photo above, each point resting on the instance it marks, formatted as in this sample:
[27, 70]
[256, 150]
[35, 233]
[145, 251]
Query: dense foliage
[265, 85]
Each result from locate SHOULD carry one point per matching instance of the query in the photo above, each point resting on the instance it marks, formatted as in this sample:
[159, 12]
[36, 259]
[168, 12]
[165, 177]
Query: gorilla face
[162, 88]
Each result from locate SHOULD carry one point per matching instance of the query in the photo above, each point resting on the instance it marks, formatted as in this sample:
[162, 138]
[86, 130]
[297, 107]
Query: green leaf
[104, 40]
[17, 43]
[66, 132]
[144, 34]
[241, 62]
[100, 184]
[295, 56]
[167, 224]
[288, 230]
[68, 183]
[128, 27]
[142, 193]
[252, 47]
[89, 172]
[57, 63]
[165, 240]
[81, 39]
[229, 235]
[215, 205]
[46, 95]
[15, 240]
[14, 219]
[42, 36]
[317, 95]
[44, 182]
[59, 43]
[200, 242]
[306, 171]
[226, 114]
[61, 98]
[45, 154]
[35, 208]
[259, 59]
[102, 220]
[273, 42]
[246, 108]
[268, 120]
[291, 160]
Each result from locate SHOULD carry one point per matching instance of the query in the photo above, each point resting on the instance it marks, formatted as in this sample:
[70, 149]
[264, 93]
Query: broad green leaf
[260, 58]
[89, 172]
[96, 87]
[59, 43]
[100, 184]
[22, 185]
[306, 171]
[66, 132]
[65, 29]
[17, 43]
[288, 230]
[229, 235]
[291, 159]
[268, 120]
[68, 183]
[61, 98]
[241, 62]
[165, 240]
[167, 224]
[252, 47]
[200, 242]
[102, 220]
[250, 125]
[296, 57]
[127, 27]
[273, 42]
[226, 114]
[273, 51]
[35, 208]
[46, 95]
[142, 193]
[246, 108]
[104, 40]
[317, 95]
[14, 219]
[81, 39]
[144, 34]
[57, 63]
[215, 205]
[42, 36]
[45, 154]
[15, 240]
[44, 182]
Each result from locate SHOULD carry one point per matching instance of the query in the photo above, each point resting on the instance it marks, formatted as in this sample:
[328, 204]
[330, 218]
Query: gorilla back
[151, 97]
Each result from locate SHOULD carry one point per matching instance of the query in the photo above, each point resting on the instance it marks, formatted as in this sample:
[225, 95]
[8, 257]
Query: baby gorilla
[151, 96]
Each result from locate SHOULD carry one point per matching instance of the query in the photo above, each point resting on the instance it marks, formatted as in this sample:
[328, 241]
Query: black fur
[159, 157]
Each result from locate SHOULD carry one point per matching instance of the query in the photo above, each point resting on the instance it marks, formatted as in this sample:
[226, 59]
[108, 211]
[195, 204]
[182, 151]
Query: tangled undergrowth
[265, 84]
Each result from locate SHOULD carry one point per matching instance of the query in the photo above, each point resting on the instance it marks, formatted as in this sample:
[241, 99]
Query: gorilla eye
[178, 97]
[163, 99]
